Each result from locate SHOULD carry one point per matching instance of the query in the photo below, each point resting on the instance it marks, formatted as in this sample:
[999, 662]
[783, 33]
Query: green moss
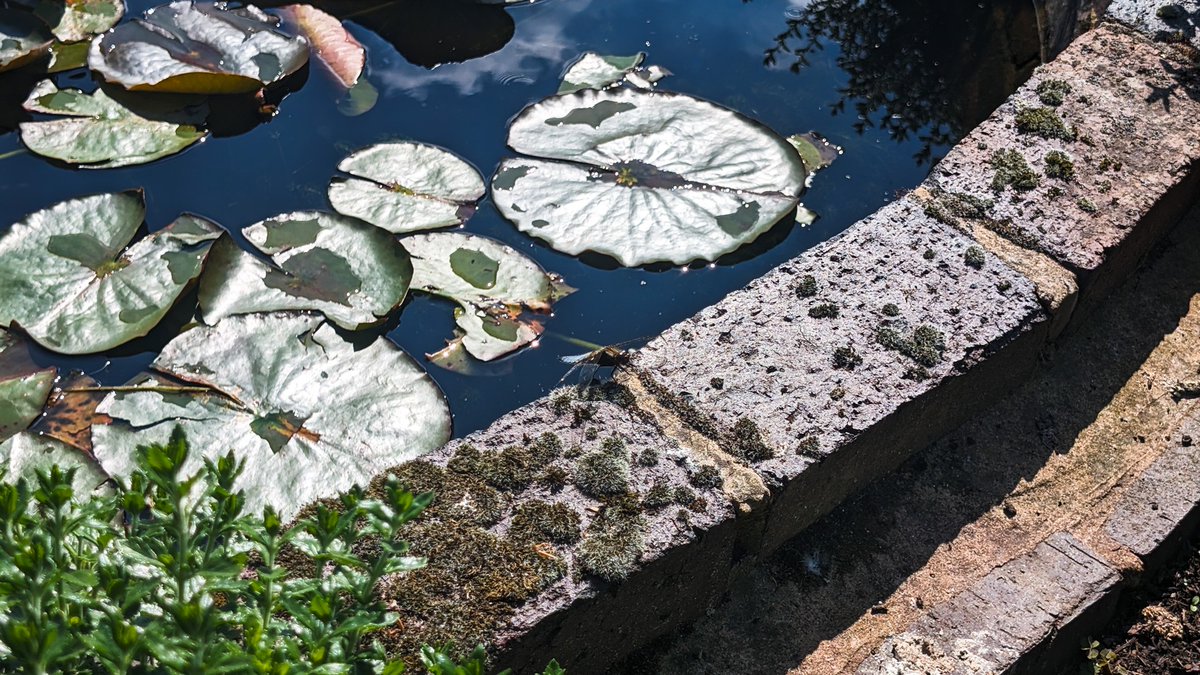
[1087, 205]
[591, 433]
[537, 521]
[1059, 165]
[555, 477]
[683, 495]
[511, 469]
[846, 358]
[648, 457]
[1055, 192]
[706, 477]
[825, 310]
[808, 446]
[891, 309]
[659, 495]
[837, 393]
[1006, 229]
[459, 497]
[948, 207]
[807, 287]
[613, 544]
[929, 254]
[1012, 170]
[717, 383]
[560, 401]
[1053, 92]
[546, 448]
[916, 373]
[601, 474]
[747, 442]
[974, 257]
[1004, 286]
[573, 452]
[1109, 163]
[926, 345]
[1044, 122]
[615, 446]
[583, 412]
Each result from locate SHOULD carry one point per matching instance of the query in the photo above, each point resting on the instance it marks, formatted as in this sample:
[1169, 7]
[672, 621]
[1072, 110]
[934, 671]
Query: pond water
[894, 83]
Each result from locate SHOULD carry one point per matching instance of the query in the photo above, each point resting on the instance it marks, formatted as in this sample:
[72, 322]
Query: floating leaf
[352, 272]
[198, 48]
[76, 20]
[66, 56]
[361, 98]
[593, 71]
[99, 133]
[492, 284]
[407, 187]
[24, 387]
[645, 176]
[71, 412]
[23, 455]
[23, 38]
[335, 47]
[310, 414]
[816, 152]
[70, 282]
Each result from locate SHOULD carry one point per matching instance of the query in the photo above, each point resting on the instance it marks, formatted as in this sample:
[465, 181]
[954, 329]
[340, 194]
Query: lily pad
[645, 176]
[24, 387]
[98, 132]
[71, 411]
[334, 46]
[407, 187]
[493, 285]
[816, 152]
[198, 48]
[352, 272]
[23, 455]
[309, 413]
[76, 20]
[594, 71]
[23, 38]
[74, 286]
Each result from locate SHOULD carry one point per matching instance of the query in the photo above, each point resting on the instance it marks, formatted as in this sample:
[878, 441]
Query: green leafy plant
[167, 574]
[1101, 661]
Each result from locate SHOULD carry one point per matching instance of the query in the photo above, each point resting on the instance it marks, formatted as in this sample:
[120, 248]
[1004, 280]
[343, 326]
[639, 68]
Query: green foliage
[1044, 122]
[1012, 169]
[168, 575]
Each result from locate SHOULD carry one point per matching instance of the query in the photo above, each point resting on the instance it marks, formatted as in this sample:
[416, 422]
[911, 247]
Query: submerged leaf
[66, 56]
[593, 71]
[352, 272]
[24, 387]
[406, 187]
[23, 38]
[617, 177]
[98, 132]
[816, 152]
[309, 413]
[492, 284]
[334, 46]
[198, 48]
[76, 20]
[74, 287]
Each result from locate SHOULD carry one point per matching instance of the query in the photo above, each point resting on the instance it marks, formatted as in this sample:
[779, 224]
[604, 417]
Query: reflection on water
[893, 83]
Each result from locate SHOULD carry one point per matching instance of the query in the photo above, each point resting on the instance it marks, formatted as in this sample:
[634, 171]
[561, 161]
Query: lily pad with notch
[352, 272]
[309, 413]
[96, 132]
[74, 283]
[597, 71]
[645, 176]
[198, 48]
[407, 187]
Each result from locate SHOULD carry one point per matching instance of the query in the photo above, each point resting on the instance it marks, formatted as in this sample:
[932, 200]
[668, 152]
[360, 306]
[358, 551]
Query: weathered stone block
[1172, 22]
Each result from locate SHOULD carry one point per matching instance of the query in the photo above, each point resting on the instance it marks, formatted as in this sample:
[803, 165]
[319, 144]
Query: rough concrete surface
[1060, 454]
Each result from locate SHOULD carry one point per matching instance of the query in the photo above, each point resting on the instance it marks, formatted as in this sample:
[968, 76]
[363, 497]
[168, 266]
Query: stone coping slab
[1171, 22]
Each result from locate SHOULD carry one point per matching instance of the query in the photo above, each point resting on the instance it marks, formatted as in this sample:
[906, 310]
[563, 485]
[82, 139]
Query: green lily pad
[613, 175]
[73, 283]
[816, 152]
[309, 413]
[76, 20]
[594, 71]
[407, 187]
[24, 387]
[23, 38]
[352, 272]
[98, 132]
[493, 285]
[198, 48]
[26, 453]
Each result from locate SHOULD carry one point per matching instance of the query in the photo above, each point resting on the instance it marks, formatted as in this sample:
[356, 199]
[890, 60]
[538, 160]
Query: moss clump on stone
[891, 309]
[614, 542]
[846, 358]
[825, 310]
[974, 257]
[1012, 170]
[457, 496]
[916, 373]
[807, 287]
[1006, 229]
[1044, 122]
[1053, 92]
[926, 345]
[560, 401]
[591, 433]
[929, 254]
[706, 477]
[648, 457]
[1059, 165]
[583, 412]
[546, 448]
[837, 393]
[511, 469]
[555, 477]
[601, 474]
[1004, 286]
[747, 442]
[659, 495]
[615, 446]
[683, 495]
[1086, 205]
[1055, 192]
[948, 207]
[573, 452]
[537, 521]
[808, 446]
[717, 383]
[1109, 163]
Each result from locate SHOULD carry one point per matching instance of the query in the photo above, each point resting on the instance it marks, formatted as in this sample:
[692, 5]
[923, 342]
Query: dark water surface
[894, 83]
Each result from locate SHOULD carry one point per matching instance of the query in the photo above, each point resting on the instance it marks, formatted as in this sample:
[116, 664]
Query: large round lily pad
[406, 187]
[98, 132]
[198, 48]
[493, 285]
[309, 413]
[352, 272]
[23, 38]
[70, 282]
[24, 387]
[645, 176]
